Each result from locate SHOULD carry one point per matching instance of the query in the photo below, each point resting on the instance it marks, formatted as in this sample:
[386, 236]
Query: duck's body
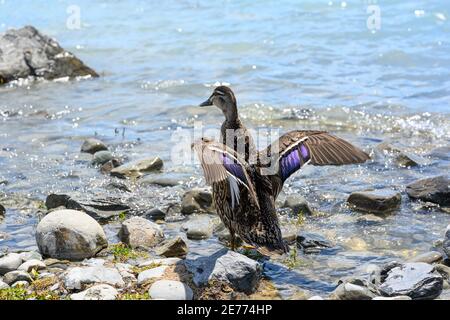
[244, 190]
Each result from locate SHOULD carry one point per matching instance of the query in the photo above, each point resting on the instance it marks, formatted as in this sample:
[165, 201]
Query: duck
[246, 183]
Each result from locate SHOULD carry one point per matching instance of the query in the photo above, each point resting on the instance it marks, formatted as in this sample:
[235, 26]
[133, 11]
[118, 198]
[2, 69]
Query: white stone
[32, 264]
[78, 276]
[97, 292]
[10, 262]
[170, 290]
[70, 234]
[3, 285]
[146, 275]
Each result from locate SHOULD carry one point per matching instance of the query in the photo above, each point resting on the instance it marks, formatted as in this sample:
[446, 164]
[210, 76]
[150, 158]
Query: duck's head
[223, 98]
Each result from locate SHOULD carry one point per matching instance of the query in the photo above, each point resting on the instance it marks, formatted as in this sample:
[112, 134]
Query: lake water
[312, 65]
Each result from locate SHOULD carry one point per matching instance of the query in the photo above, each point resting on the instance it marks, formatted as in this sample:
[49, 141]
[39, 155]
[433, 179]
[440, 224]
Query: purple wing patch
[233, 167]
[293, 160]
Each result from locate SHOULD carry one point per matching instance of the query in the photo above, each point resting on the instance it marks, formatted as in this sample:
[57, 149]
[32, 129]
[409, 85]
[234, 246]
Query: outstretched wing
[319, 148]
[220, 163]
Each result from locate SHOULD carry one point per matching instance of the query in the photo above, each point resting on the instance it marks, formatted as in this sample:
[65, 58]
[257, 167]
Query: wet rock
[139, 232]
[170, 290]
[446, 242]
[393, 298]
[428, 257]
[27, 52]
[369, 219]
[102, 157]
[164, 180]
[349, 291]
[377, 201]
[97, 292]
[149, 274]
[11, 277]
[196, 200]
[30, 255]
[32, 265]
[108, 166]
[198, 227]
[434, 189]
[9, 262]
[417, 280]
[240, 272]
[70, 234]
[137, 168]
[298, 205]
[155, 214]
[99, 209]
[76, 277]
[2, 210]
[114, 185]
[92, 145]
[312, 242]
[401, 157]
[175, 247]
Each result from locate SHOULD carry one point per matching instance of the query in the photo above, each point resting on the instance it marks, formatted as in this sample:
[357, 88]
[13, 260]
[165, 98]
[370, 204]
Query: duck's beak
[206, 103]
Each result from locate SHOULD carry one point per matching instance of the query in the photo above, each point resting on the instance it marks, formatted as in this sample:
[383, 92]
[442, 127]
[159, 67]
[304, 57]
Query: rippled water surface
[311, 65]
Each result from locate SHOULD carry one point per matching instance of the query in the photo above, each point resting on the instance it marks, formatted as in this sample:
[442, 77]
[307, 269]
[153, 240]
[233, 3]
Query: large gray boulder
[434, 189]
[240, 272]
[70, 234]
[27, 52]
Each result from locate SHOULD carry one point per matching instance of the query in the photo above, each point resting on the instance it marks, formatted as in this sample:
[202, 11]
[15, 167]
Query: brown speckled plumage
[243, 195]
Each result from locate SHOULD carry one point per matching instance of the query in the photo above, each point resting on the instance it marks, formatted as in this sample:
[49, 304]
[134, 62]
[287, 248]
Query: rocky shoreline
[75, 260]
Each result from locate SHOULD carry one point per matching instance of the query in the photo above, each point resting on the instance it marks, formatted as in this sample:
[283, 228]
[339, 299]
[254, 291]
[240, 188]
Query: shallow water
[306, 65]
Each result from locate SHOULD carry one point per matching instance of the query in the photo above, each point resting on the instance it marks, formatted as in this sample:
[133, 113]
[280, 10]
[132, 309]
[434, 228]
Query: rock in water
[97, 292]
[417, 280]
[435, 189]
[102, 157]
[241, 273]
[298, 205]
[170, 290]
[93, 145]
[175, 247]
[140, 232]
[377, 201]
[99, 209]
[70, 234]
[196, 200]
[312, 242]
[2, 210]
[137, 168]
[10, 262]
[76, 277]
[26, 52]
[428, 257]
